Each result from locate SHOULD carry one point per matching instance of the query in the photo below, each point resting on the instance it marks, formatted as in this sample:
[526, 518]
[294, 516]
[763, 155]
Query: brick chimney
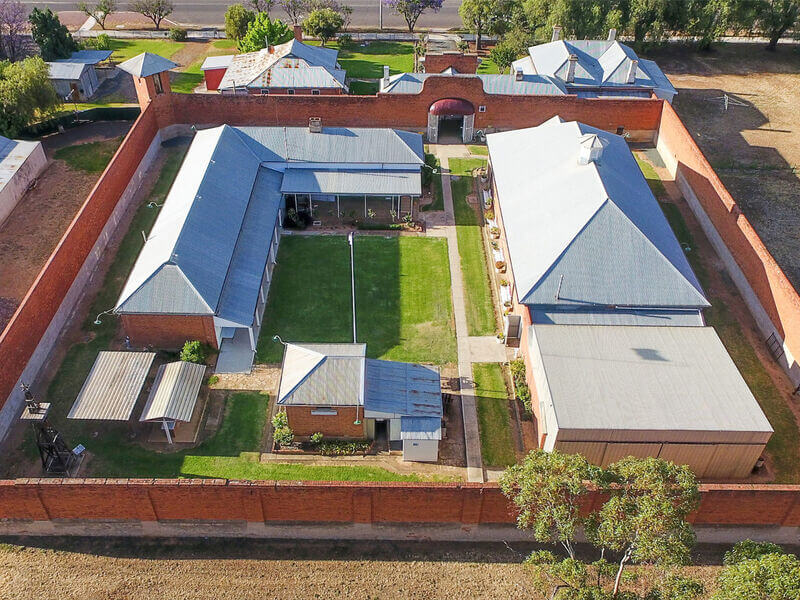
[612, 35]
[556, 34]
[572, 63]
[385, 79]
[518, 75]
[298, 33]
[632, 68]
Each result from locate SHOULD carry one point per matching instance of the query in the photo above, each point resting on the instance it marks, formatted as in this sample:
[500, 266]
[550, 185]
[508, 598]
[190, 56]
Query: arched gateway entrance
[456, 113]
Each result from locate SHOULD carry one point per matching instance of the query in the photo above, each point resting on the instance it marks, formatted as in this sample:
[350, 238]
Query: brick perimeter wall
[462, 63]
[315, 502]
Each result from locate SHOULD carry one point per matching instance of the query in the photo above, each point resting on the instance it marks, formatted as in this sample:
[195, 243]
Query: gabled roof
[217, 62]
[292, 64]
[174, 392]
[322, 375]
[146, 64]
[66, 70]
[529, 85]
[87, 57]
[585, 235]
[601, 63]
[398, 389]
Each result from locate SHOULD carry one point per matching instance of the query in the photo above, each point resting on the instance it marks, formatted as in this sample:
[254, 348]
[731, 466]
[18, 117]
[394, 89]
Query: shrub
[342, 448]
[213, 380]
[380, 226]
[345, 41]
[748, 549]
[177, 34]
[237, 18]
[316, 438]
[102, 42]
[520, 385]
[489, 214]
[283, 436]
[427, 173]
[193, 352]
[280, 420]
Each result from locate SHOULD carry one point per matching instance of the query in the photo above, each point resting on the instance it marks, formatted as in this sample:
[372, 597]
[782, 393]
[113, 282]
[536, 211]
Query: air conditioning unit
[315, 124]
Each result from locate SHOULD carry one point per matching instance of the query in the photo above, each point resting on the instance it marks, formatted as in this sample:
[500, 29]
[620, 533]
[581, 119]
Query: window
[264, 92]
[315, 92]
[290, 92]
[620, 130]
[324, 412]
[157, 84]
[481, 108]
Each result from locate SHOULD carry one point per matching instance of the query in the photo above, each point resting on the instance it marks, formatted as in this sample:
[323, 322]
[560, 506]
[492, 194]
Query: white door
[468, 129]
[433, 128]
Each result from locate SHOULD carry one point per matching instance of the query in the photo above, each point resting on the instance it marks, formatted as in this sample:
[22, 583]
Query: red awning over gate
[452, 106]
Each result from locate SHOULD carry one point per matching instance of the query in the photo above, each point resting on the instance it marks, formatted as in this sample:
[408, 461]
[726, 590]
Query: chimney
[315, 124]
[634, 66]
[271, 49]
[556, 33]
[298, 33]
[573, 61]
[612, 35]
[385, 80]
[591, 148]
[518, 75]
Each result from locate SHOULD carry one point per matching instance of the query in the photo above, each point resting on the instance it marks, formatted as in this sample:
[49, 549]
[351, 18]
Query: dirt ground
[754, 146]
[114, 568]
[33, 229]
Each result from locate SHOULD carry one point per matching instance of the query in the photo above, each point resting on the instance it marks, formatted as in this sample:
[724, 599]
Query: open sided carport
[173, 397]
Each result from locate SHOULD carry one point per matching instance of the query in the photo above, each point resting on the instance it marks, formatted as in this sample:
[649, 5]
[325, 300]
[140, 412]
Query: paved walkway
[470, 349]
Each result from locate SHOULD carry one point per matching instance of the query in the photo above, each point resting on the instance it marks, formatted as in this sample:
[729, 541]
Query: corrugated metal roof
[668, 379]
[252, 68]
[334, 145]
[601, 63]
[619, 316]
[378, 183]
[13, 154]
[299, 77]
[402, 389]
[146, 64]
[87, 57]
[529, 85]
[174, 392]
[322, 375]
[216, 62]
[420, 428]
[588, 234]
[66, 70]
[112, 387]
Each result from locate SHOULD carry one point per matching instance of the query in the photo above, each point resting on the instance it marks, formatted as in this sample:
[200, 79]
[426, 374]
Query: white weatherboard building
[20, 163]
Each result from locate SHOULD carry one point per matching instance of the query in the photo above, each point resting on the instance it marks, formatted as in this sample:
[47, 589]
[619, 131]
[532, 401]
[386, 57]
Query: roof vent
[556, 34]
[591, 148]
[632, 68]
[612, 35]
[572, 63]
[315, 124]
[518, 75]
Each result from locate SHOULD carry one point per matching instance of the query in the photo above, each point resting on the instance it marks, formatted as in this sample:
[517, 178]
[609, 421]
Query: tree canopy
[237, 19]
[99, 11]
[412, 10]
[262, 31]
[155, 10]
[758, 571]
[323, 23]
[52, 37]
[26, 93]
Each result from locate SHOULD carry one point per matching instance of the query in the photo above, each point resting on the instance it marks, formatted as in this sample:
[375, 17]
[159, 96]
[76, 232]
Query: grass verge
[367, 62]
[494, 419]
[91, 157]
[403, 302]
[479, 304]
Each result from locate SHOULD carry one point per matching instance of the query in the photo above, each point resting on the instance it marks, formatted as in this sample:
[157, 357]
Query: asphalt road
[211, 12]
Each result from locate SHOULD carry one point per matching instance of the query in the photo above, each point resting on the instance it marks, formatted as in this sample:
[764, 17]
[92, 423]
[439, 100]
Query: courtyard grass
[403, 302]
[478, 150]
[367, 62]
[363, 88]
[91, 157]
[653, 180]
[436, 184]
[488, 66]
[783, 446]
[480, 307]
[494, 419]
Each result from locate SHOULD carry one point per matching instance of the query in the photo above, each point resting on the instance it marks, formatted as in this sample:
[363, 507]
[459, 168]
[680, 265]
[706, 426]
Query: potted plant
[500, 265]
[489, 214]
[495, 245]
[501, 338]
[504, 282]
[495, 231]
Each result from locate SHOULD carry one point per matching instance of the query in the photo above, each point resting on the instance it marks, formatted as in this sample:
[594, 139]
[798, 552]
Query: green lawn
[494, 420]
[436, 179]
[480, 308]
[367, 62]
[91, 157]
[783, 447]
[653, 180]
[225, 44]
[128, 48]
[403, 303]
[363, 88]
[488, 66]
[478, 150]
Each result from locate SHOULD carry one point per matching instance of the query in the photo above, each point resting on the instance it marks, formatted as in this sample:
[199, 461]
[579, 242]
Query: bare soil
[754, 146]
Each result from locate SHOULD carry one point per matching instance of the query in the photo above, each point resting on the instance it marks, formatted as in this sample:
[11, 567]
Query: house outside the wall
[333, 389]
[75, 78]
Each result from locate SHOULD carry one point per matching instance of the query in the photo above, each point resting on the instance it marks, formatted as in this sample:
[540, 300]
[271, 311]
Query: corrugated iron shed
[112, 387]
[174, 392]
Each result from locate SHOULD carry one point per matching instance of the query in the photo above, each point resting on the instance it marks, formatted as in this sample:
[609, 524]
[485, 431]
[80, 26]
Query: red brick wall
[265, 501]
[462, 63]
[773, 289]
[169, 331]
[303, 423]
[273, 91]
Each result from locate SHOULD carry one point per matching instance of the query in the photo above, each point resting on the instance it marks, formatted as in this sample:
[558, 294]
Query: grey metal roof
[402, 389]
[112, 387]
[619, 316]
[13, 154]
[87, 57]
[216, 62]
[662, 379]
[71, 71]
[334, 145]
[420, 428]
[372, 182]
[146, 64]
[257, 69]
[322, 375]
[601, 63]
[587, 235]
[529, 85]
[174, 392]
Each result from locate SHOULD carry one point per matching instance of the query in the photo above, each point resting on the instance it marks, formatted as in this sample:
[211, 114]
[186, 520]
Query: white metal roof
[88, 57]
[71, 71]
[664, 379]
[216, 62]
[585, 234]
[112, 387]
[146, 64]
[13, 154]
[174, 392]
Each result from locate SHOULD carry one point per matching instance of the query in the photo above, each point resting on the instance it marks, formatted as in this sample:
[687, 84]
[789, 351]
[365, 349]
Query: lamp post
[97, 320]
[350, 238]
